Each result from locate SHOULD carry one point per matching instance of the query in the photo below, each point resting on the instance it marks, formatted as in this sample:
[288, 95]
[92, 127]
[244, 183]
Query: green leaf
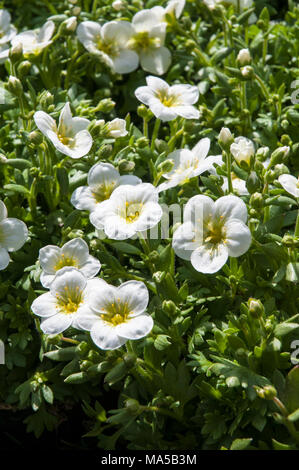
[126, 248]
[161, 342]
[240, 444]
[17, 188]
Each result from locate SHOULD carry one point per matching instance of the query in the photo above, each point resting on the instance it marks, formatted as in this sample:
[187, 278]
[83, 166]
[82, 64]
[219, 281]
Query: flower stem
[297, 226]
[155, 133]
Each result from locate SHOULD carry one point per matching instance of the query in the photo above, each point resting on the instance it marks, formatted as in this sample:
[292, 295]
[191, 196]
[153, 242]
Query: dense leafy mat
[212, 362]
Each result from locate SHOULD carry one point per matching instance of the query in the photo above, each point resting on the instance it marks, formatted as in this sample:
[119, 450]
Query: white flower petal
[45, 305]
[289, 184]
[237, 237]
[157, 84]
[126, 61]
[155, 60]
[105, 336]
[13, 234]
[199, 209]
[83, 199]
[149, 217]
[231, 207]
[88, 31]
[201, 149]
[44, 122]
[121, 31]
[46, 31]
[144, 94]
[68, 277]
[82, 145]
[76, 249]
[49, 257]
[3, 210]
[135, 328]
[145, 20]
[209, 258]
[189, 93]
[56, 324]
[4, 258]
[187, 111]
[182, 240]
[162, 112]
[129, 179]
[135, 293]
[91, 267]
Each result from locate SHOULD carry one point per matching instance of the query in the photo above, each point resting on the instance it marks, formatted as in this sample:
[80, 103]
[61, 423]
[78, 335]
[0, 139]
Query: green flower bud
[16, 53]
[166, 166]
[106, 105]
[3, 158]
[161, 146]
[85, 365]
[280, 169]
[142, 142]
[24, 68]
[247, 72]
[169, 307]
[154, 257]
[82, 349]
[129, 360]
[133, 406]
[279, 154]
[159, 276]
[256, 200]
[267, 393]
[14, 86]
[142, 111]
[256, 308]
[262, 153]
[105, 151]
[35, 138]
[126, 166]
[286, 140]
[69, 26]
[252, 182]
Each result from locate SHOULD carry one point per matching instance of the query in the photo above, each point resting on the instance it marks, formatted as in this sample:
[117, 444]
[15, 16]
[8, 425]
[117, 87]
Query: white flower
[290, 184]
[70, 137]
[189, 164]
[119, 314]
[34, 41]
[73, 253]
[148, 41]
[173, 8]
[242, 149]
[13, 235]
[239, 185]
[110, 42]
[167, 102]
[117, 128]
[102, 180]
[212, 231]
[7, 31]
[67, 299]
[118, 5]
[243, 4]
[129, 210]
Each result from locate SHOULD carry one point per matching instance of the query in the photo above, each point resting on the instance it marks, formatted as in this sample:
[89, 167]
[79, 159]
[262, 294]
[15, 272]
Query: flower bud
[126, 166]
[169, 307]
[242, 149]
[129, 360]
[106, 105]
[252, 182]
[159, 276]
[142, 111]
[105, 151]
[3, 158]
[46, 99]
[16, 52]
[161, 146]
[244, 57]
[256, 308]
[225, 138]
[118, 5]
[262, 153]
[256, 200]
[24, 68]
[142, 142]
[70, 24]
[247, 72]
[35, 138]
[279, 154]
[166, 166]
[133, 406]
[14, 86]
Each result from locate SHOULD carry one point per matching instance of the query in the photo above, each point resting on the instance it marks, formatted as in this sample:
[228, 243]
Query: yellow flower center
[116, 312]
[143, 41]
[66, 140]
[69, 301]
[109, 48]
[133, 212]
[104, 191]
[65, 261]
[167, 99]
[215, 232]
